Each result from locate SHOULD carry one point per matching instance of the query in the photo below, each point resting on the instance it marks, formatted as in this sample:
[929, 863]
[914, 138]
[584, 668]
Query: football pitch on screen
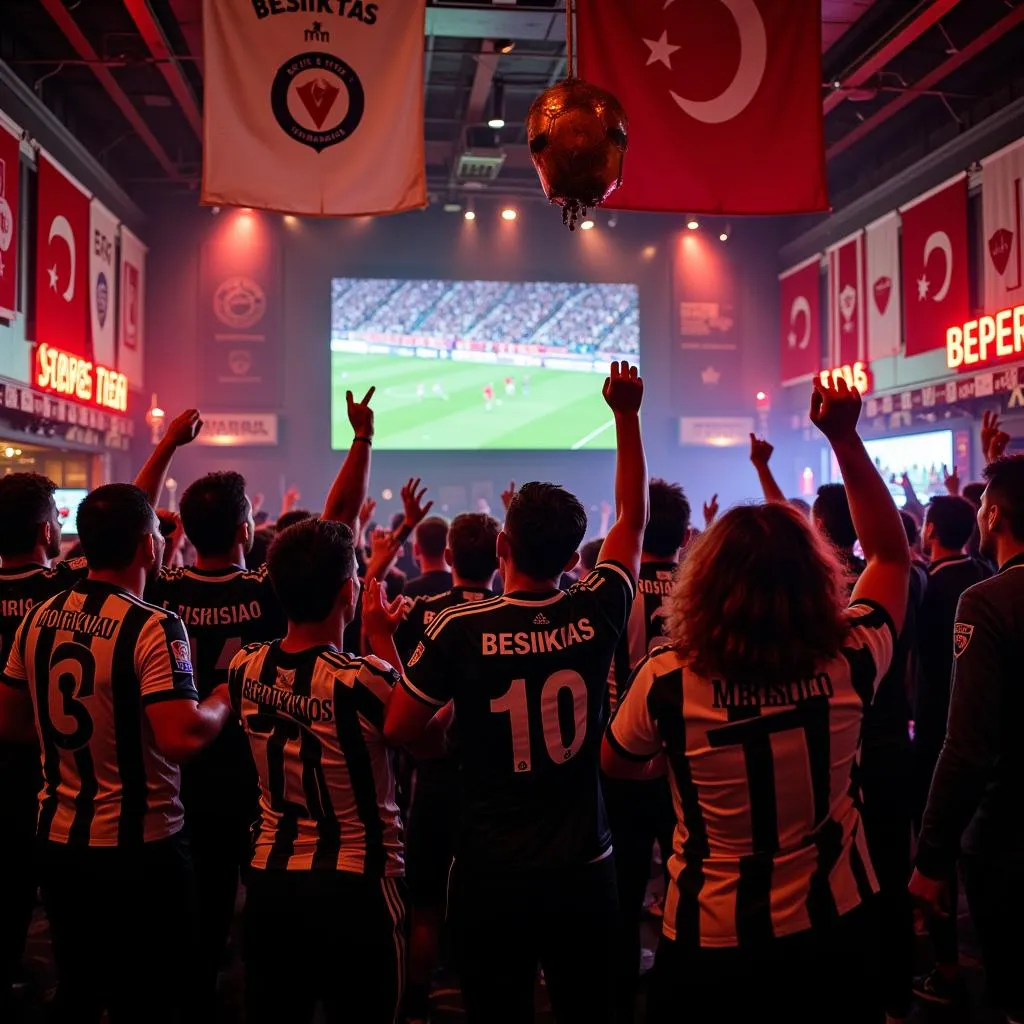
[425, 404]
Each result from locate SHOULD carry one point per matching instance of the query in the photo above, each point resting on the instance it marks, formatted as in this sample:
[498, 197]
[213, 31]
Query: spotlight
[723, 237]
[587, 225]
[9, 453]
[246, 209]
[452, 207]
[497, 118]
[760, 396]
[693, 224]
[613, 220]
[290, 220]
[508, 213]
[648, 252]
[387, 494]
[504, 45]
[214, 210]
[469, 215]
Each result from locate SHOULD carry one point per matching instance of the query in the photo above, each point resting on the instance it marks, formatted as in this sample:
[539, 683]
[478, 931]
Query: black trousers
[504, 926]
[640, 814]
[808, 978]
[323, 936]
[123, 928]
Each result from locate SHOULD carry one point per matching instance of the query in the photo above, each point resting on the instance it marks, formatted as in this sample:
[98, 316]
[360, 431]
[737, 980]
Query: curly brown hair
[761, 596]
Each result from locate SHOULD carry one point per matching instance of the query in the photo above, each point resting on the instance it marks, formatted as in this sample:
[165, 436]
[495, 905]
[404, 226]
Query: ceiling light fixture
[509, 213]
[497, 118]
[587, 225]
[693, 223]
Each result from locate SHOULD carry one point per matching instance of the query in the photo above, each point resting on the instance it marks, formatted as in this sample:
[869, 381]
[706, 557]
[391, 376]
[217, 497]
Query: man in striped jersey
[102, 682]
[325, 908]
[527, 673]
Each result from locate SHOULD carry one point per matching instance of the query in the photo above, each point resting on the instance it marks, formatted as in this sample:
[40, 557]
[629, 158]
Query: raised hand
[360, 415]
[290, 499]
[508, 495]
[381, 617]
[951, 480]
[366, 513]
[993, 440]
[760, 452]
[711, 509]
[835, 410]
[623, 388]
[184, 428]
[412, 502]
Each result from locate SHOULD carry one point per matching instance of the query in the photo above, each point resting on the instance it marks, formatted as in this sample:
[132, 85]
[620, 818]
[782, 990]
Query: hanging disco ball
[577, 135]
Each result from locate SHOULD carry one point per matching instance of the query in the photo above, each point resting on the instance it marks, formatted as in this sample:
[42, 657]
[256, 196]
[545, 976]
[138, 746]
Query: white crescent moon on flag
[753, 61]
[801, 305]
[60, 228]
[940, 240]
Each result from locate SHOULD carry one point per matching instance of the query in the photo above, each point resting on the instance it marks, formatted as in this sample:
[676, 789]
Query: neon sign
[986, 338]
[80, 380]
[857, 375]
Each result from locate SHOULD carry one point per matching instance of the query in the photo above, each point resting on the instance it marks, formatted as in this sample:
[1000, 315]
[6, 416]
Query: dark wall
[435, 244]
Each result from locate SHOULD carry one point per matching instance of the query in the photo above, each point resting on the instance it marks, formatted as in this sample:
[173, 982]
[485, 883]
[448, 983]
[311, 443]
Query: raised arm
[182, 430]
[348, 492]
[760, 454]
[835, 411]
[624, 392]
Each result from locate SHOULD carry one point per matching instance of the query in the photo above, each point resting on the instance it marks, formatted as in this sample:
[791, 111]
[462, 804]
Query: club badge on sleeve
[182, 656]
[962, 633]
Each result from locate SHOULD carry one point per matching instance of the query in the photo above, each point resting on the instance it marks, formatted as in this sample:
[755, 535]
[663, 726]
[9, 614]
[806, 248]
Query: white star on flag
[53, 277]
[661, 49]
[922, 287]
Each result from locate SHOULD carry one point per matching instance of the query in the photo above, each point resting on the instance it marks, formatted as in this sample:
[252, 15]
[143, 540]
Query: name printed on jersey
[223, 615]
[537, 641]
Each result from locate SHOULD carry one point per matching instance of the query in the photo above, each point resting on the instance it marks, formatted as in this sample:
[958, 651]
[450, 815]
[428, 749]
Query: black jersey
[424, 610]
[92, 659]
[645, 628]
[23, 588]
[528, 674]
[428, 584]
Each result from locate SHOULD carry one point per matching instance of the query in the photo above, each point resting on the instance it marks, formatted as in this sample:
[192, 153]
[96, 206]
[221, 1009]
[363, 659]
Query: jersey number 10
[514, 701]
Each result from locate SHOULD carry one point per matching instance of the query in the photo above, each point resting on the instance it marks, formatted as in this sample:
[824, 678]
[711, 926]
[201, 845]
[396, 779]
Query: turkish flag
[847, 314]
[62, 261]
[800, 321]
[723, 100]
[9, 163]
[934, 249]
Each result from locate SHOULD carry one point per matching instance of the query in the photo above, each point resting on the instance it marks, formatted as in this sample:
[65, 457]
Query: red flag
[800, 321]
[934, 247]
[723, 99]
[9, 162]
[847, 314]
[62, 261]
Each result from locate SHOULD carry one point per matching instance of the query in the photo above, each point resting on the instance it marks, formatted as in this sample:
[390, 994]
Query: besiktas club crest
[317, 99]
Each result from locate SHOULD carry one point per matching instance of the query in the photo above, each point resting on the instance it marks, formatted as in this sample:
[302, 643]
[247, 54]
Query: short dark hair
[832, 509]
[973, 492]
[590, 552]
[112, 520]
[309, 564]
[26, 502]
[432, 536]
[544, 524]
[473, 538]
[669, 521]
[296, 515]
[800, 505]
[910, 527]
[212, 509]
[1005, 478]
[261, 541]
[953, 518]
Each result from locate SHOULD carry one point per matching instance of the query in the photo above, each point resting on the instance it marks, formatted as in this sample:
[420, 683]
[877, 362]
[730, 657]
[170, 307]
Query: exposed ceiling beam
[905, 34]
[978, 45]
[166, 62]
[84, 48]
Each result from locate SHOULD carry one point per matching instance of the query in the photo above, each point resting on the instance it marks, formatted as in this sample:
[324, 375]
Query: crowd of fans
[456, 745]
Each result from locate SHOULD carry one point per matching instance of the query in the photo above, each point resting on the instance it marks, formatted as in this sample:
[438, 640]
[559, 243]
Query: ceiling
[900, 78]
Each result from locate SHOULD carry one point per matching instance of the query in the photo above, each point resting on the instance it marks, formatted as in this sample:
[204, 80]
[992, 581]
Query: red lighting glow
[988, 338]
[857, 375]
[77, 379]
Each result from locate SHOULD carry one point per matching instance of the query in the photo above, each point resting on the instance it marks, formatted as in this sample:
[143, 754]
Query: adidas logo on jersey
[540, 619]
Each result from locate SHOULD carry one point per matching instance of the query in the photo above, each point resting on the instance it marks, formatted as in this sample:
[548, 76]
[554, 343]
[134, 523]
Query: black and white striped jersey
[93, 658]
[21, 589]
[315, 723]
[769, 840]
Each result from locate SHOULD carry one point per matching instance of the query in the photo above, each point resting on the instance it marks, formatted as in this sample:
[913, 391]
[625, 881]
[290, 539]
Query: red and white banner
[934, 265]
[102, 282]
[132, 298]
[62, 260]
[847, 316]
[723, 100]
[314, 115]
[1002, 195]
[885, 314]
[9, 182]
[800, 321]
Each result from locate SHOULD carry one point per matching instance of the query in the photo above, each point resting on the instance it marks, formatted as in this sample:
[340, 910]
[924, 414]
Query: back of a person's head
[952, 519]
[801, 506]
[111, 521]
[910, 527]
[1005, 489]
[473, 539]
[26, 503]
[290, 518]
[261, 541]
[212, 509]
[669, 521]
[973, 492]
[761, 596]
[432, 537]
[589, 554]
[544, 525]
[831, 510]
[309, 563]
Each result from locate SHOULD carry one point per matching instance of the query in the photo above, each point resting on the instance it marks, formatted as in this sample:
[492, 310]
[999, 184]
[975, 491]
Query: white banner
[885, 312]
[234, 429]
[312, 114]
[1003, 225]
[102, 282]
[133, 309]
